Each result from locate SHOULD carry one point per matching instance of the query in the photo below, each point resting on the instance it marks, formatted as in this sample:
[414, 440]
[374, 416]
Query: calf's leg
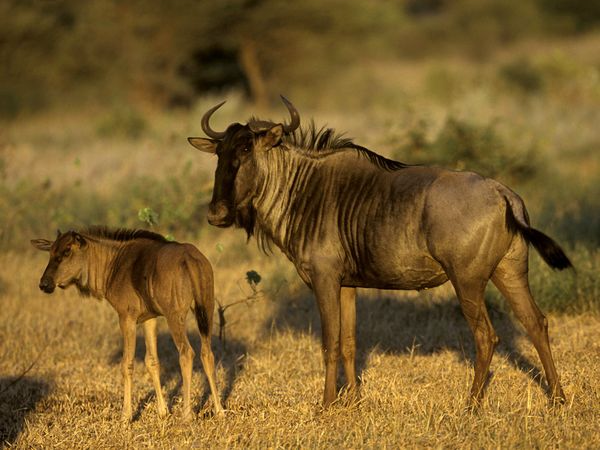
[186, 358]
[127, 325]
[208, 363]
[153, 365]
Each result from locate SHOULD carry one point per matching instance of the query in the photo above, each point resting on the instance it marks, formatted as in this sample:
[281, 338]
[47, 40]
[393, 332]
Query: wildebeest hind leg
[510, 277]
[153, 365]
[471, 297]
[348, 335]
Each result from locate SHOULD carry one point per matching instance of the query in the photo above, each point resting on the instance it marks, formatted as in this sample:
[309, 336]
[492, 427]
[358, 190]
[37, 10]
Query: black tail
[549, 250]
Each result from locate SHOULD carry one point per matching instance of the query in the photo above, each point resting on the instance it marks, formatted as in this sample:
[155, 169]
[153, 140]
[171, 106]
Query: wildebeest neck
[300, 197]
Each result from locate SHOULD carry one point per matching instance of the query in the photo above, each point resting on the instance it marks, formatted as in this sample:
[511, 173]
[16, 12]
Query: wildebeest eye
[246, 149]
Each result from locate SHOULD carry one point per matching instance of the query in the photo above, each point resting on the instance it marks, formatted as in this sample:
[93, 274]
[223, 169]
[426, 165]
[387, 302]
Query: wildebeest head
[235, 174]
[67, 260]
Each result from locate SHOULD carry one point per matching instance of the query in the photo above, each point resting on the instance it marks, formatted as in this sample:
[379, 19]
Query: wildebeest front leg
[153, 365]
[327, 292]
[348, 335]
[127, 325]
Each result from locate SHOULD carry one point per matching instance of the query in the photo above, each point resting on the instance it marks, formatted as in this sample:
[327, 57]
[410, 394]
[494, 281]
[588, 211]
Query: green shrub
[523, 75]
[122, 122]
[466, 146]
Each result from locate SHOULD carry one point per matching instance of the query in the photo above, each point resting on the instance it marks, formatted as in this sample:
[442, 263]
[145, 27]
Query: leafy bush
[465, 146]
[522, 74]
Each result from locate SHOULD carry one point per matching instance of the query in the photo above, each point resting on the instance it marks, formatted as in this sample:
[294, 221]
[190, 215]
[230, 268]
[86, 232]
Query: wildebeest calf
[142, 275]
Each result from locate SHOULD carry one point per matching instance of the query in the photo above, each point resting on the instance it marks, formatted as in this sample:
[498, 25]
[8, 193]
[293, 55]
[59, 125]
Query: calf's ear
[204, 144]
[41, 244]
[80, 240]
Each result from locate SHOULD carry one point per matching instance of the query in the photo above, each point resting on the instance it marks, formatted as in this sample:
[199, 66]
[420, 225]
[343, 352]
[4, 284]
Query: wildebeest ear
[41, 244]
[273, 137]
[204, 144]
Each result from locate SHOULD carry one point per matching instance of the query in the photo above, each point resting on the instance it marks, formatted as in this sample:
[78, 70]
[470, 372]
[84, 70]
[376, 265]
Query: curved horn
[295, 122]
[206, 127]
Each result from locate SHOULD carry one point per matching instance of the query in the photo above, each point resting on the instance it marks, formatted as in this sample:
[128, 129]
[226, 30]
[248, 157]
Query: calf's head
[68, 260]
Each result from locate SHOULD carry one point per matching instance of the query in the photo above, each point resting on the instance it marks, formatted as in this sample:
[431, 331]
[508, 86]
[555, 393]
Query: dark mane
[122, 234]
[323, 141]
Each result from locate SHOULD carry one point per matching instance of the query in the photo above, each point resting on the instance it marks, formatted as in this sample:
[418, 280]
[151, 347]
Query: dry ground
[415, 359]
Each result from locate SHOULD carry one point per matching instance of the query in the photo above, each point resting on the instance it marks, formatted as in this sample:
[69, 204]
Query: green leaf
[148, 216]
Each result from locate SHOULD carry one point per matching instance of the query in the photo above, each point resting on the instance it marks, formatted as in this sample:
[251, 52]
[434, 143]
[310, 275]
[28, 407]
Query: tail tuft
[202, 282]
[549, 250]
[201, 319]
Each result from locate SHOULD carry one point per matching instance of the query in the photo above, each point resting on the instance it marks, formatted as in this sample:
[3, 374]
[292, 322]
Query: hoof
[125, 420]
[473, 406]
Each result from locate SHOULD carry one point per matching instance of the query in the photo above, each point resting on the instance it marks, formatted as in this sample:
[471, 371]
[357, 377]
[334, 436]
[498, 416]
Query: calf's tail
[203, 291]
[517, 220]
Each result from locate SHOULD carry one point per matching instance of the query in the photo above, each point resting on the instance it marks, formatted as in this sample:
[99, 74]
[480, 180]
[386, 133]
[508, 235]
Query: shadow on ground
[229, 356]
[17, 398]
[419, 326]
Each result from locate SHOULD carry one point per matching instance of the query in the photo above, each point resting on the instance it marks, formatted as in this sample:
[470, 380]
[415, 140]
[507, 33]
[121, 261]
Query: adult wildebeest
[348, 217]
[142, 275]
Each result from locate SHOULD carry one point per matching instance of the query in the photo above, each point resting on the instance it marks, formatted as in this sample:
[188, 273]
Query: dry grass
[415, 359]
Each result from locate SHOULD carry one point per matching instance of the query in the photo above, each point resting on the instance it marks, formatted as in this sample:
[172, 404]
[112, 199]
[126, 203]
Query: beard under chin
[245, 217]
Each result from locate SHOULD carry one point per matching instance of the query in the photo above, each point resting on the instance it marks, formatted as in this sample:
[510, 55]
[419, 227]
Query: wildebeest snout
[219, 215]
[47, 285]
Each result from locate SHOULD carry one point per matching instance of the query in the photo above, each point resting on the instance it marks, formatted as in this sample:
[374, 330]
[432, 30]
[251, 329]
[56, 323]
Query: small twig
[252, 298]
[257, 295]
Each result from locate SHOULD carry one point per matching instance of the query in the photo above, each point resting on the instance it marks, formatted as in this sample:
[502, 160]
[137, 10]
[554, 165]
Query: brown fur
[142, 275]
[347, 218]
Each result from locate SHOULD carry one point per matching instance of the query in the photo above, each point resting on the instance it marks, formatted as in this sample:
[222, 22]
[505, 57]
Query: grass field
[60, 379]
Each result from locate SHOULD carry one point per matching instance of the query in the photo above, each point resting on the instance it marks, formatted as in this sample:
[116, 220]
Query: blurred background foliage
[97, 98]
[166, 53]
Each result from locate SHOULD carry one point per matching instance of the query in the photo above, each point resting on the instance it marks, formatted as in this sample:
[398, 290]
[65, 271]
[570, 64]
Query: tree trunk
[252, 70]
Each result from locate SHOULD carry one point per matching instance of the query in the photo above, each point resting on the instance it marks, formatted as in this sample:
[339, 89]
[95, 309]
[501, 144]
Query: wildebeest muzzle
[219, 214]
